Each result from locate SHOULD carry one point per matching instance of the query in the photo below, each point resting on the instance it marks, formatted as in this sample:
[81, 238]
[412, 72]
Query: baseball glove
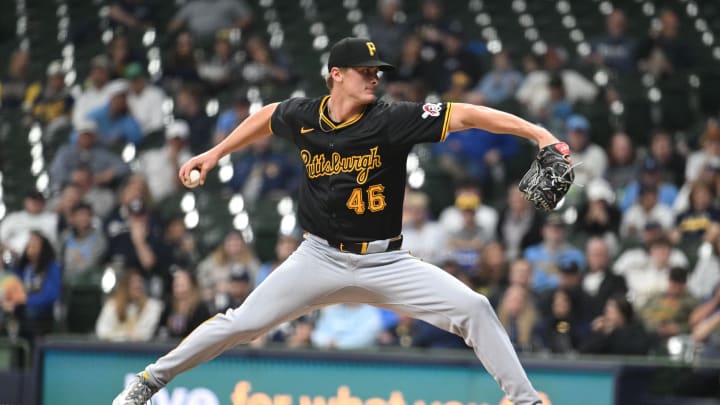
[549, 177]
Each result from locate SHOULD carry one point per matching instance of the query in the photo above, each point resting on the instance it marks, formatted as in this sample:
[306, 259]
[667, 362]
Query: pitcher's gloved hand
[549, 177]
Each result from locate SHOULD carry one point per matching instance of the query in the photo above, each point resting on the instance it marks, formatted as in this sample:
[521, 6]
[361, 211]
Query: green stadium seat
[83, 304]
[14, 354]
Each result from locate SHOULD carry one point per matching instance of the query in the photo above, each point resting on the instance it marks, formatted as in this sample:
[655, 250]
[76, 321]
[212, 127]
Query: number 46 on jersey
[373, 195]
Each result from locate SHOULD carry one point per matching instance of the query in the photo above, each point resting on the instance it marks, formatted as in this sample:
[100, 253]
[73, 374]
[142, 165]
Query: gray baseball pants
[316, 275]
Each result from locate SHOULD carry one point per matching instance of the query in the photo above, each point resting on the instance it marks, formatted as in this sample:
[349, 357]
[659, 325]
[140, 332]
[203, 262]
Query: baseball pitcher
[354, 150]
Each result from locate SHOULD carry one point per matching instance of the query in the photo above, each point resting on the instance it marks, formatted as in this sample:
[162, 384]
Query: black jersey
[355, 171]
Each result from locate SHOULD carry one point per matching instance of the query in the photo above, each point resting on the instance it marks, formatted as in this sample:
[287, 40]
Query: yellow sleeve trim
[446, 122]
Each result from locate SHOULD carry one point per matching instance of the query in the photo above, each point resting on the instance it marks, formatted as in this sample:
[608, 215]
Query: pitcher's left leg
[426, 292]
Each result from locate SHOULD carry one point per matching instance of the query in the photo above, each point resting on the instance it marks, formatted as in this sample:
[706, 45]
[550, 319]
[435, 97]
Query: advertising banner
[91, 376]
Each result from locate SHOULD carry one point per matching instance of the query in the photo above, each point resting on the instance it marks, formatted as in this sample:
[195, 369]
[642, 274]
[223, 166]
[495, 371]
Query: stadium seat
[83, 304]
[14, 354]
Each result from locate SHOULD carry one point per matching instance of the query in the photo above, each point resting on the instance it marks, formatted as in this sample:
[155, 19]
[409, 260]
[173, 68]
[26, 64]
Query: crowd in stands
[630, 261]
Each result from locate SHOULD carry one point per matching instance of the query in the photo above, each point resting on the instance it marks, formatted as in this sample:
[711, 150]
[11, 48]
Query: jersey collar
[326, 122]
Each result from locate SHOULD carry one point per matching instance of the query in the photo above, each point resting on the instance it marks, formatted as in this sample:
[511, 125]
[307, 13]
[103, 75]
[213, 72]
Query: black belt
[361, 248]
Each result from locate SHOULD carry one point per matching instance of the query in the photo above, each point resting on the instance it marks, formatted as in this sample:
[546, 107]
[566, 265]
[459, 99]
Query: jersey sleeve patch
[412, 123]
[431, 110]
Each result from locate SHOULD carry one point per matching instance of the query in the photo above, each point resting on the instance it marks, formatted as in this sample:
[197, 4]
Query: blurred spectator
[160, 165]
[16, 228]
[622, 163]
[598, 216]
[285, 245]
[565, 327]
[705, 277]
[53, 106]
[347, 326]
[429, 336]
[709, 153]
[134, 231]
[206, 17]
[646, 268]
[294, 334]
[12, 303]
[519, 274]
[535, 91]
[82, 247]
[214, 271]
[96, 89]
[222, 68]
[116, 125]
[387, 29]
[432, 23]
[145, 100]
[457, 58]
[520, 318]
[664, 51]
[263, 173]
[63, 205]
[671, 163]
[188, 107]
[398, 333]
[651, 176]
[557, 109]
[616, 331]
[263, 66]
[41, 275]
[133, 14]
[468, 196]
[476, 154]
[570, 281]
[185, 310]
[491, 273]
[129, 314]
[646, 209]
[520, 224]
[421, 235]
[692, 225]
[552, 251]
[17, 89]
[501, 82]
[667, 313]
[107, 168]
[709, 176]
[177, 248]
[705, 322]
[229, 119]
[180, 64]
[594, 158]
[614, 49]
[415, 90]
[102, 199]
[414, 64]
[599, 282]
[238, 288]
[121, 56]
[465, 243]
[457, 88]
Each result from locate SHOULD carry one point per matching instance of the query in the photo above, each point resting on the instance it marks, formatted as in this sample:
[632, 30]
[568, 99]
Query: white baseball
[194, 179]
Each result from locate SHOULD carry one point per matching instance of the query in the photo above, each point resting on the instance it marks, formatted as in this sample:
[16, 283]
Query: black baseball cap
[569, 268]
[352, 52]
